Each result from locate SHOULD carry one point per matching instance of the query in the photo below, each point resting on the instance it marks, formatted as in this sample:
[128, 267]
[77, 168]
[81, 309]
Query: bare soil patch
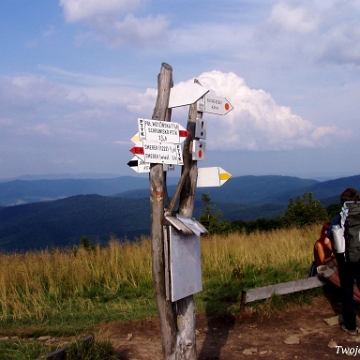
[245, 337]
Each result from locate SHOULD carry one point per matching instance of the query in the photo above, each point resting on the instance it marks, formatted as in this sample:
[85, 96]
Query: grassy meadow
[69, 292]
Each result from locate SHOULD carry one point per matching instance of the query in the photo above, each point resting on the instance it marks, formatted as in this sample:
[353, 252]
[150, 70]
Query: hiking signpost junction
[175, 235]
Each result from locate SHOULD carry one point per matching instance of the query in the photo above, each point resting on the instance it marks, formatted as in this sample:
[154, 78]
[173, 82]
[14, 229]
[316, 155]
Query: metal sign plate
[185, 264]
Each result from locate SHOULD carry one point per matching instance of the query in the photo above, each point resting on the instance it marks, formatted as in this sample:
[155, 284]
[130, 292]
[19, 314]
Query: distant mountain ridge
[63, 222]
[98, 214]
[245, 189]
[17, 192]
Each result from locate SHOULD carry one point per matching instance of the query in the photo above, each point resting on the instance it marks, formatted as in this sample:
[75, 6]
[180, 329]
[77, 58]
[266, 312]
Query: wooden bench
[61, 353]
[289, 287]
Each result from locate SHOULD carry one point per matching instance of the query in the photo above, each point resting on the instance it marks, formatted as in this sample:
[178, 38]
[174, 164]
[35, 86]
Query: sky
[75, 75]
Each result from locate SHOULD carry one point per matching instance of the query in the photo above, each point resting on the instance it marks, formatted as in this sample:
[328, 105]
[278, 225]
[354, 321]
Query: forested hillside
[64, 222]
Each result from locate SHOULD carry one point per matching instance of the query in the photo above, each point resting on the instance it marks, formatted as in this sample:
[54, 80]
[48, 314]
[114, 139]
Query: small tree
[212, 221]
[86, 243]
[206, 216]
[305, 210]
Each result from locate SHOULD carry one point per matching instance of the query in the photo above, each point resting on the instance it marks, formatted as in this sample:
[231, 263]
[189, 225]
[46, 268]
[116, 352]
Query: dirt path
[227, 338]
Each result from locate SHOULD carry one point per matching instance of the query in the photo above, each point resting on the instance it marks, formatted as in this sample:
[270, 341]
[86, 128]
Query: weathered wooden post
[185, 308]
[157, 198]
[175, 238]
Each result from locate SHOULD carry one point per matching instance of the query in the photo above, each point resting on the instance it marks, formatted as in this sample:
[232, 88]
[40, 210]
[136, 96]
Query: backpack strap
[344, 213]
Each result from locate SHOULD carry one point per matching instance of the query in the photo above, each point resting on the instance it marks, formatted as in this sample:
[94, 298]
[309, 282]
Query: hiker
[325, 260]
[346, 256]
[323, 252]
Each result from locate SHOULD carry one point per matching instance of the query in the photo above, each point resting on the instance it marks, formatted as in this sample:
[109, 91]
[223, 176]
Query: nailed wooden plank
[178, 225]
[281, 289]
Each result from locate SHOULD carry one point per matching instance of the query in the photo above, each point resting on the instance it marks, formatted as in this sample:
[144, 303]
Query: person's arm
[328, 244]
[321, 254]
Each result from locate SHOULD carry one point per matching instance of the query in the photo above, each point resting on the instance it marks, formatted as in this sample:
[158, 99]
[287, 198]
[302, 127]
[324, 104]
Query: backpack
[350, 222]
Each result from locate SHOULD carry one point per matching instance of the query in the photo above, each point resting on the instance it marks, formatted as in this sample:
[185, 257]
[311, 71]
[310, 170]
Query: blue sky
[76, 74]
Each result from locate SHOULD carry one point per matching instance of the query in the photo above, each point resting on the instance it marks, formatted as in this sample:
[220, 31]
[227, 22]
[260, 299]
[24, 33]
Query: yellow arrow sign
[136, 138]
[224, 176]
[212, 176]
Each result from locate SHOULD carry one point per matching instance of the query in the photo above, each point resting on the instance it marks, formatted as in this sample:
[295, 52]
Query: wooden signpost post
[175, 236]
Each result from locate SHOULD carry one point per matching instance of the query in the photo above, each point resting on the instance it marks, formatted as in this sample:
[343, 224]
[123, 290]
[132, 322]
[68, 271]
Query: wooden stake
[185, 308]
[158, 193]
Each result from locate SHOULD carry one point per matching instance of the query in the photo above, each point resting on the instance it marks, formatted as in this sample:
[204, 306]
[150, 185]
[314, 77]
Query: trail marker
[153, 152]
[198, 150]
[140, 166]
[211, 177]
[185, 94]
[138, 150]
[161, 131]
[136, 138]
[213, 104]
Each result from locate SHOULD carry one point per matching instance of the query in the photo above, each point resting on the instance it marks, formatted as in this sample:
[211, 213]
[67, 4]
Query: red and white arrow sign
[137, 150]
[183, 133]
[158, 153]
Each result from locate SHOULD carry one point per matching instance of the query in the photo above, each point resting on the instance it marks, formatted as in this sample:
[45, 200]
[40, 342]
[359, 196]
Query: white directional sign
[161, 131]
[153, 152]
[214, 104]
[136, 138]
[212, 176]
[140, 166]
[186, 94]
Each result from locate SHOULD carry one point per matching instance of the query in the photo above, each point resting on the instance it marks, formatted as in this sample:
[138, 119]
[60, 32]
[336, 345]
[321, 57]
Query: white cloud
[52, 30]
[29, 90]
[141, 103]
[257, 122]
[341, 45]
[79, 10]
[307, 33]
[6, 122]
[293, 19]
[134, 31]
[43, 129]
[209, 37]
[113, 23]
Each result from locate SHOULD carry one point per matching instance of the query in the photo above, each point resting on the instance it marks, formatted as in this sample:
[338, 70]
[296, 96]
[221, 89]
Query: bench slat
[281, 289]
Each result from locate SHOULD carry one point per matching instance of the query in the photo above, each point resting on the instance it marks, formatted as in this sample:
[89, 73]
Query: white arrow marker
[211, 177]
[161, 131]
[214, 104]
[140, 166]
[136, 138]
[186, 94]
[158, 153]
